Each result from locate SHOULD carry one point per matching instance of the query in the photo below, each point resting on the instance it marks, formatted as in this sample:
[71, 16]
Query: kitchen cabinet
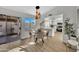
[9, 28]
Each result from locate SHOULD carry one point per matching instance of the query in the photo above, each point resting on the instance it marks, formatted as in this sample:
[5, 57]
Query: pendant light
[37, 15]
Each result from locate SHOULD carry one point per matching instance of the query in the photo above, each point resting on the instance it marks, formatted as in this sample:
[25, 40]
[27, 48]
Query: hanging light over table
[37, 15]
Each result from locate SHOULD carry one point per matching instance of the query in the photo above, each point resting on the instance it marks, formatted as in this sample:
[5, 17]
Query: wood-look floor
[52, 44]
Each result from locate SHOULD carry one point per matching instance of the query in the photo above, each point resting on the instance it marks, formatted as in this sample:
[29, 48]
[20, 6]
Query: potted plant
[69, 31]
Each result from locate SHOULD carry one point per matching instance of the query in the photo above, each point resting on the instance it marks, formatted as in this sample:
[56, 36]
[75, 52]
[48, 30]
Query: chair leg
[36, 40]
[42, 40]
[47, 37]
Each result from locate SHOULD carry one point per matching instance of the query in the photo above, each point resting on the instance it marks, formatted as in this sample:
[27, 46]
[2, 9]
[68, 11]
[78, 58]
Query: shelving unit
[9, 28]
[59, 27]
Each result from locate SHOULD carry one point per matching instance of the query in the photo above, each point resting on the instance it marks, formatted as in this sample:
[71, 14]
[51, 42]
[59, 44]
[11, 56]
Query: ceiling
[29, 9]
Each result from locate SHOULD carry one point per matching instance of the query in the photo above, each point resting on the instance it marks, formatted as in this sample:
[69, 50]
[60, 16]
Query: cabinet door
[12, 31]
[2, 28]
[9, 26]
[3, 39]
[2, 32]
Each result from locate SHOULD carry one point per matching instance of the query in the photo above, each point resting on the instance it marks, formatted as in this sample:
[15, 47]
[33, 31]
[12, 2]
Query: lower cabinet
[3, 39]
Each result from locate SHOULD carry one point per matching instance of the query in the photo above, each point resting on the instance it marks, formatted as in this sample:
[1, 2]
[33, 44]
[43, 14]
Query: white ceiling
[29, 9]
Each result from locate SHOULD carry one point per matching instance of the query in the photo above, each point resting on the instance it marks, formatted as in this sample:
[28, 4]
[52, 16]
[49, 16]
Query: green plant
[69, 28]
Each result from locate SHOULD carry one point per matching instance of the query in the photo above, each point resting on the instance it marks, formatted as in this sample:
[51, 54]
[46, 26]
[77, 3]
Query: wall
[77, 32]
[24, 33]
[78, 17]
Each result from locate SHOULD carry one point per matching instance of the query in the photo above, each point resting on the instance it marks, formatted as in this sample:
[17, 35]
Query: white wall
[78, 17]
[77, 32]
